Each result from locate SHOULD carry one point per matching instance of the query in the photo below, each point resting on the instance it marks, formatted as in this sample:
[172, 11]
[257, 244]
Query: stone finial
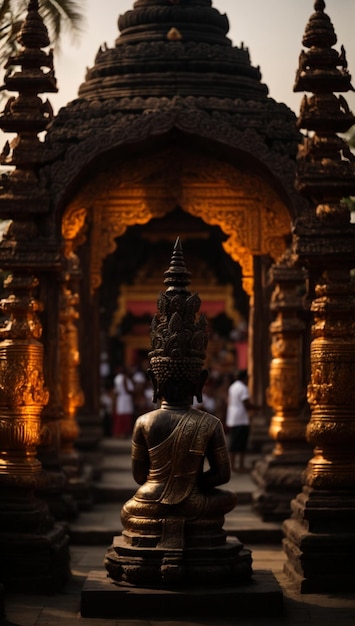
[33, 33]
[325, 169]
[177, 277]
[26, 114]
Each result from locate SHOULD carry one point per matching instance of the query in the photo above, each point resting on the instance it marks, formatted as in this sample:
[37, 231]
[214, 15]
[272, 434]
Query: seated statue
[173, 525]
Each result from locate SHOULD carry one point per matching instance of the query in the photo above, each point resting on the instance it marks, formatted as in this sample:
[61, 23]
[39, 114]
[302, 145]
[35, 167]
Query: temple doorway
[132, 278]
[123, 223]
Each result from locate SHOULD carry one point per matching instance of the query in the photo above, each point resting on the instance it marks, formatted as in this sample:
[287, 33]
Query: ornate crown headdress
[179, 338]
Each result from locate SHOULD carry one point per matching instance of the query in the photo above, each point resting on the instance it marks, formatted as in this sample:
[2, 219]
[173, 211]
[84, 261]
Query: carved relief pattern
[112, 123]
[286, 394]
[22, 391]
[19, 434]
[21, 377]
[72, 395]
[331, 391]
[73, 224]
[136, 192]
[74, 232]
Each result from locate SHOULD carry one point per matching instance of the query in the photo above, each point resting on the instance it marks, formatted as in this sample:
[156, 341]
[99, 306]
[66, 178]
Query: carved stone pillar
[320, 538]
[320, 535]
[258, 353]
[72, 396]
[61, 504]
[278, 475]
[87, 414]
[34, 551]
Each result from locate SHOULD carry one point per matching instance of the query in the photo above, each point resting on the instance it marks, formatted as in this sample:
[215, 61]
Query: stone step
[99, 526]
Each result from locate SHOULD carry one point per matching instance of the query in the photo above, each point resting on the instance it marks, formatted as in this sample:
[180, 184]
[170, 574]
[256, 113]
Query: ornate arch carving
[241, 203]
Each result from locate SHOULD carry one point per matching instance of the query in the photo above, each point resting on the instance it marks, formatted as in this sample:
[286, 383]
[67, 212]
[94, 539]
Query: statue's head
[179, 337]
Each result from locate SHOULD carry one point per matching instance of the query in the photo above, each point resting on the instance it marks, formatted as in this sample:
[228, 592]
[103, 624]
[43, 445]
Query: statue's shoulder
[148, 417]
[207, 417]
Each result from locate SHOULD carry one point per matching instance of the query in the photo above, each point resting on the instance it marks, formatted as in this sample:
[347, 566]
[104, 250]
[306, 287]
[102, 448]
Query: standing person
[238, 420]
[106, 407]
[123, 389]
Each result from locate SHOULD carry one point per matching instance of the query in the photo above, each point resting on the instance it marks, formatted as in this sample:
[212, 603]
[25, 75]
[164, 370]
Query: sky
[271, 29]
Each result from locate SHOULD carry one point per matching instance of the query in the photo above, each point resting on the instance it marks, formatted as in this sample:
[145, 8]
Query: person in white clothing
[124, 408]
[238, 420]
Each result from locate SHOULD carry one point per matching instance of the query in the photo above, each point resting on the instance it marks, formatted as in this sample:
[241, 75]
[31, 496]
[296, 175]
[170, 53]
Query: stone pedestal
[78, 485]
[214, 565]
[320, 541]
[103, 598]
[35, 562]
[34, 550]
[279, 478]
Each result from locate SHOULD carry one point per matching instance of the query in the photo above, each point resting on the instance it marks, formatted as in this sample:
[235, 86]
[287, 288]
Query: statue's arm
[217, 456]
[140, 456]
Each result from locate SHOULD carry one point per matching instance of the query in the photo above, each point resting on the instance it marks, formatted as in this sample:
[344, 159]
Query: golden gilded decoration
[73, 223]
[22, 391]
[73, 231]
[331, 391]
[174, 35]
[245, 207]
[286, 393]
[72, 394]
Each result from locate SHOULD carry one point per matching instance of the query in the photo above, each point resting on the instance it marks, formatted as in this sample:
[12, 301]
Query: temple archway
[252, 217]
[242, 203]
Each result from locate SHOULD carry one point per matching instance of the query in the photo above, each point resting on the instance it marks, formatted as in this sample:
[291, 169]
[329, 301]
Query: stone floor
[92, 533]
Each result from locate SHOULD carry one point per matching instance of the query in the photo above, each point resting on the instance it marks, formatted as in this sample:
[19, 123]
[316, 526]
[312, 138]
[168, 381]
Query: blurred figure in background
[106, 407]
[123, 414]
[238, 420]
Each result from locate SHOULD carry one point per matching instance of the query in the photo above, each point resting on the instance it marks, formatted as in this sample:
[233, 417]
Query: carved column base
[21, 511]
[34, 563]
[34, 551]
[60, 502]
[78, 475]
[53, 489]
[88, 442]
[320, 541]
[279, 478]
[259, 439]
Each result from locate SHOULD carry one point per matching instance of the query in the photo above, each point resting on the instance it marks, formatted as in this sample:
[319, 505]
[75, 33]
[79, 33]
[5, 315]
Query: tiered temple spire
[319, 538]
[30, 72]
[34, 549]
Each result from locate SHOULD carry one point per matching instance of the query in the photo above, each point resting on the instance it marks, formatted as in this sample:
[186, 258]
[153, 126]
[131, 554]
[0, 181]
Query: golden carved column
[320, 535]
[321, 529]
[33, 550]
[331, 391]
[22, 391]
[278, 475]
[72, 396]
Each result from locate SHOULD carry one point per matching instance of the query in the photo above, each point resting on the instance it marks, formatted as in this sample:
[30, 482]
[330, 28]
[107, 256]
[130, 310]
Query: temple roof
[172, 67]
[169, 48]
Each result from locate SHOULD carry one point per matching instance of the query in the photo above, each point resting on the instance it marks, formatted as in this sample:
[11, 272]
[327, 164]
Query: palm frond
[5, 7]
[58, 15]
[62, 14]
